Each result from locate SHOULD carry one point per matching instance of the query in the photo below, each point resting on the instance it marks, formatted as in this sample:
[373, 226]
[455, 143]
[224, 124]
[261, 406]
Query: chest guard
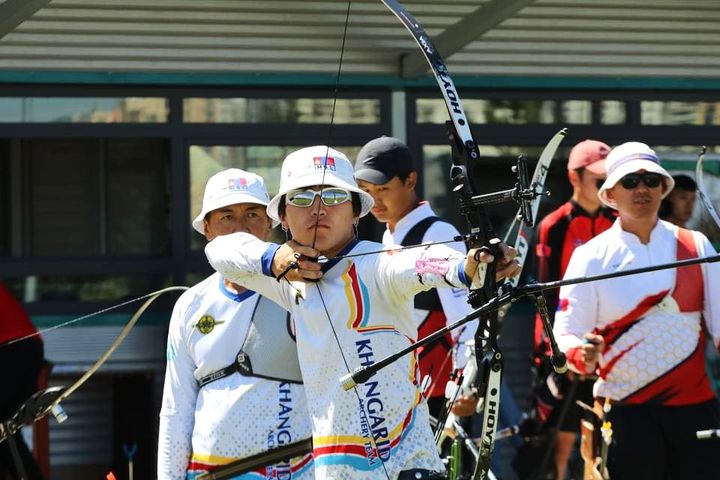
[269, 350]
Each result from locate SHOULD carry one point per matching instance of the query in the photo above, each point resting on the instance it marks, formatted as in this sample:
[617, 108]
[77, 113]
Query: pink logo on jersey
[235, 184]
[431, 265]
[324, 162]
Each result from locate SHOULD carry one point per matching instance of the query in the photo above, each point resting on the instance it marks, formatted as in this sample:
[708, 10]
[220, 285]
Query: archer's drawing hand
[299, 261]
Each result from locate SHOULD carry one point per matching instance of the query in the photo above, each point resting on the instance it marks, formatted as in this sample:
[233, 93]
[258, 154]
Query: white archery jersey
[454, 300]
[233, 417]
[357, 314]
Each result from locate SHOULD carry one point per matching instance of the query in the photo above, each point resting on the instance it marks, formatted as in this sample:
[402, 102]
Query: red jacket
[14, 321]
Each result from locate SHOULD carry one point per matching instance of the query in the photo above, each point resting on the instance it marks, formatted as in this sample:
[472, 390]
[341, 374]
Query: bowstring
[84, 317]
[317, 222]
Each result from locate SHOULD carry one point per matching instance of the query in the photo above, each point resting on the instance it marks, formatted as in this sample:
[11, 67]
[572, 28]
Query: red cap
[589, 154]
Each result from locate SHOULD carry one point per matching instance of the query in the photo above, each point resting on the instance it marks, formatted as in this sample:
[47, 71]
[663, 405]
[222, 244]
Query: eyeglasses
[632, 180]
[599, 183]
[329, 196]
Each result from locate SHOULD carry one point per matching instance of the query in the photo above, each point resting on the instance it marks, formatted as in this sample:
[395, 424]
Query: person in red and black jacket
[560, 232]
[21, 358]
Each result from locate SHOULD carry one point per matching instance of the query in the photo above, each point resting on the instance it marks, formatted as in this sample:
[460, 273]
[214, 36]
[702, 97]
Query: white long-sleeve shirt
[453, 300]
[654, 350]
[358, 313]
[233, 417]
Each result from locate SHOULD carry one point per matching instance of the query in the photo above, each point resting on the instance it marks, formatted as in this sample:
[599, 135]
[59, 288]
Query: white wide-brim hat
[230, 187]
[627, 158]
[318, 165]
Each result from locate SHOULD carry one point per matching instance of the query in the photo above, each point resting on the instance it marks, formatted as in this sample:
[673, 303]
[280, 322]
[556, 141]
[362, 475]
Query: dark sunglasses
[632, 180]
[329, 196]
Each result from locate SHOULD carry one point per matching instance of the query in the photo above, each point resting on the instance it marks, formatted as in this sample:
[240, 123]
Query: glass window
[96, 288]
[359, 111]
[433, 110]
[578, 112]
[83, 110]
[11, 109]
[96, 197]
[612, 112]
[264, 160]
[679, 113]
[63, 197]
[137, 194]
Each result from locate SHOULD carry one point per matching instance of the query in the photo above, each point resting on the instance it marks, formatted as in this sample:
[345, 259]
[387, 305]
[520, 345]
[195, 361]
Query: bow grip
[483, 268]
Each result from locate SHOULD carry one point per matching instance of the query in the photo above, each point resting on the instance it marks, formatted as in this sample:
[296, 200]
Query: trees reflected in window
[83, 110]
[86, 288]
[679, 113]
[478, 111]
[359, 111]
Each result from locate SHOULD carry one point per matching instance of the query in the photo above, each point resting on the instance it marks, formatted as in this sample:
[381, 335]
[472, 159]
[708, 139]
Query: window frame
[180, 261]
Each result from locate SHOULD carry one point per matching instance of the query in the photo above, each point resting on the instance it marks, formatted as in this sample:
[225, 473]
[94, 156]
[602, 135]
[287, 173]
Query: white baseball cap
[318, 165]
[627, 158]
[230, 187]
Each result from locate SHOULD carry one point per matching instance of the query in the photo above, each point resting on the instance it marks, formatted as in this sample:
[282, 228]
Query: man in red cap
[574, 223]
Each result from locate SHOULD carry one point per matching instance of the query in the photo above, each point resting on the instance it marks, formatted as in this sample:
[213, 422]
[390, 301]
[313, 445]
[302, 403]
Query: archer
[347, 312]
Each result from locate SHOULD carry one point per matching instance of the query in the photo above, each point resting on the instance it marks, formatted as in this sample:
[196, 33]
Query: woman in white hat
[348, 312]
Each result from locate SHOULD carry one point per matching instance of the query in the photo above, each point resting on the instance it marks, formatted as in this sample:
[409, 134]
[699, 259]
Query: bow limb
[58, 394]
[116, 343]
[525, 231]
[702, 192]
[465, 153]
[482, 235]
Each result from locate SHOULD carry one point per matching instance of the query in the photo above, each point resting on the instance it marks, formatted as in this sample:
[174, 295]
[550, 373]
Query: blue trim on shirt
[332, 262]
[461, 275]
[237, 297]
[267, 258]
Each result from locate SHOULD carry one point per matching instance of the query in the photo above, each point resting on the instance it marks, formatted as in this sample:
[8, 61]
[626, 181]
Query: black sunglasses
[632, 180]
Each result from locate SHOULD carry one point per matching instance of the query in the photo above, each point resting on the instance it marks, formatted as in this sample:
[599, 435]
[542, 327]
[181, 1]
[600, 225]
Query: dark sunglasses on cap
[329, 196]
[632, 180]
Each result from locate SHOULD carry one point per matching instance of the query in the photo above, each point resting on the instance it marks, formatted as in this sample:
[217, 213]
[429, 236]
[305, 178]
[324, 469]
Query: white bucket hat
[627, 158]
[230, 187]
[318, 165]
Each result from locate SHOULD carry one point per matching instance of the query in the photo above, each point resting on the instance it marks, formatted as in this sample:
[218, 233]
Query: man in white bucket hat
[349, 311]
[228, 396]
[643, 334]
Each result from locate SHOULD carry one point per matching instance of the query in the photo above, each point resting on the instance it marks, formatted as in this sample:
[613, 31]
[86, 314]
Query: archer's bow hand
[465, 405]
[296, 263]
[592, 348]
[505, 268]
